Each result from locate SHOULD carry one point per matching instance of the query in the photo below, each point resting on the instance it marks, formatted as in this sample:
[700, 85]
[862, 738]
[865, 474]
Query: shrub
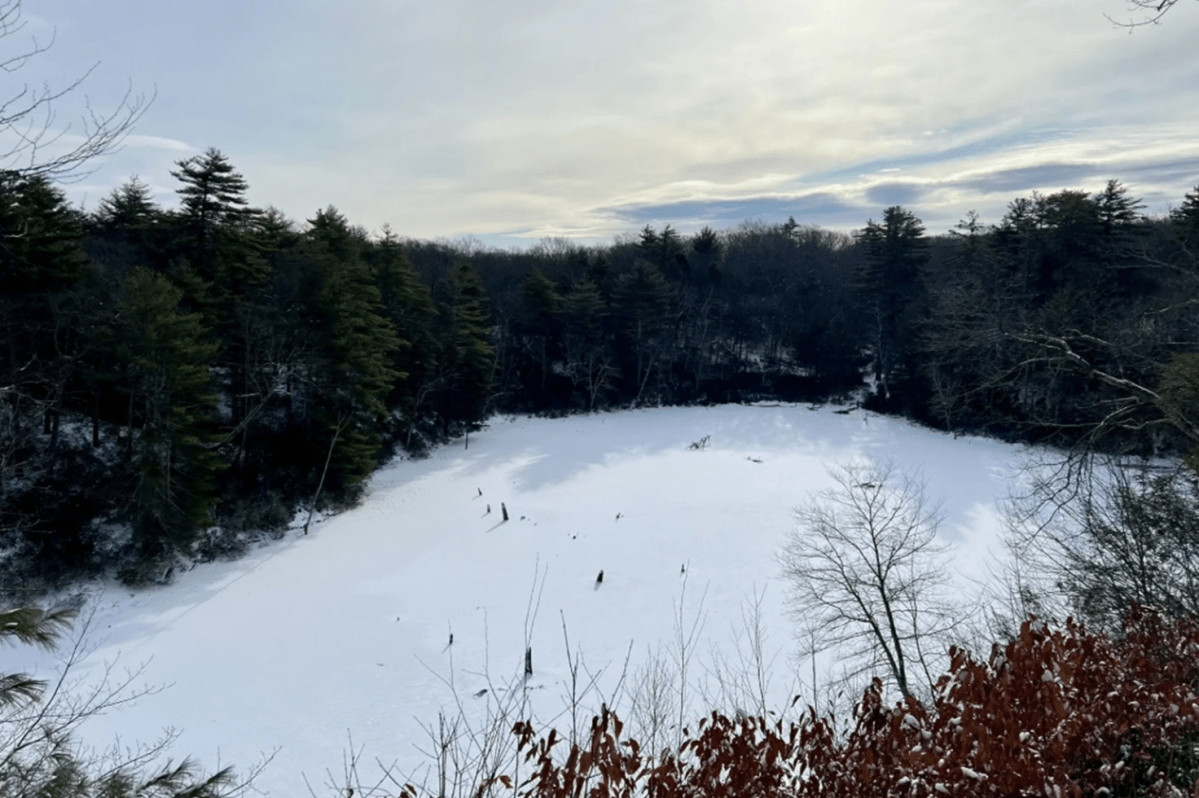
[1057, 711]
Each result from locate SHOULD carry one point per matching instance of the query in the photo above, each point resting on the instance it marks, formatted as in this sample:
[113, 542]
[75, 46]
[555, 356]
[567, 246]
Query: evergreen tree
[589, 359]
[1186, 216]
[127, 230]
[216, 232]
[1115, 208]
[213, 204]
[891, 282]
[42, 263]
[664, 250]
[43, 270]
[469, 357]
[353, 344]
[275, 232]
[219, 260]
[128, 209]
[538, 328]
[1015, 242]
[1119, 226]
[40, 250]
[408, 304]
[1070, 246]
[641, 300]
[707, 250]
[164, 357]
[649, 243]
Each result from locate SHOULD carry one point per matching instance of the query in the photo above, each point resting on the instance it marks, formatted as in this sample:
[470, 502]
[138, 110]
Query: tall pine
[469, 357]
[891, 281]
[352, 356]
[641, 301]
[43, 273]
[589, 359]
[215, 223]
[220, 263]
[538, 330]
[164, 360]
[408, 305]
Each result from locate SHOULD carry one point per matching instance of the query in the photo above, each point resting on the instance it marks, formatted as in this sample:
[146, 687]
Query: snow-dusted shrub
[1058, 711]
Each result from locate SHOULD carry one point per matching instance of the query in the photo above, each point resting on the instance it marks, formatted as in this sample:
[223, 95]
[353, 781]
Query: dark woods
[173, 380]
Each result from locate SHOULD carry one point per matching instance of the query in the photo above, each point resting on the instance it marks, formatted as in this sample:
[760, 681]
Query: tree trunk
[341, 424]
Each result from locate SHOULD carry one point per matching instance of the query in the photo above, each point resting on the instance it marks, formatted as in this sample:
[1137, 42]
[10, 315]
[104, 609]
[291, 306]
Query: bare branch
[1152, 11]
[866, 574]
[36, 143]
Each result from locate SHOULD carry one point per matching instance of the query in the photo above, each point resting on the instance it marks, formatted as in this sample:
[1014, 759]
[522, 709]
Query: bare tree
[32, 142]
[1151, 10]
[867, 577]
[743, 681]
[1132, 538]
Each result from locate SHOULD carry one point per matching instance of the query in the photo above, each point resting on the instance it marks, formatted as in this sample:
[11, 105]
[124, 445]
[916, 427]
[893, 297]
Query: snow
[311, 639]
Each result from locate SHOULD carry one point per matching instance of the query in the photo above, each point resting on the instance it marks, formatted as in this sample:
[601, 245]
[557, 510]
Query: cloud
[894, 194]
[158, 143]
[586, 117]
[1183, 170]
[692, 214]
[1024, 178]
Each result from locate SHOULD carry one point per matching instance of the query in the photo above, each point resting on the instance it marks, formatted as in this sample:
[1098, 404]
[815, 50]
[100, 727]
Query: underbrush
[1058, 711]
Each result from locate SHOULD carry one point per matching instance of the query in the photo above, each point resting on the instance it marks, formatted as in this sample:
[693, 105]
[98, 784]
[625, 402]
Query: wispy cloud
[159, 143]
[582, 118]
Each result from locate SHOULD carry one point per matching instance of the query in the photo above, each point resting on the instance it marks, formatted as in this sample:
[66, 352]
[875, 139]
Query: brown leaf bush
[1058, 711]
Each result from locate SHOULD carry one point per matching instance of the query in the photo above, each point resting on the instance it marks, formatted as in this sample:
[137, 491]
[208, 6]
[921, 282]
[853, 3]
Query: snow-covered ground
[347, 630]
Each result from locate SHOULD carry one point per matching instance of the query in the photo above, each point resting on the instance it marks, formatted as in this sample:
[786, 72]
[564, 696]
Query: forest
[175, 382]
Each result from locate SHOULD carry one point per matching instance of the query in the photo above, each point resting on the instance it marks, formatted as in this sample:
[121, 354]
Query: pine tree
[408, 304]
[589, 359]
[353, 346]
[1115, 207]
[39, 754]
[41, 261]
[1119, 222]
[40, 250]
[891, 282]
[128, 209]
[212, 212]
[707, 249]
[469, 358]
[664, 250]
[1186, 216]
[219, 260]
[641, 301]
[42, 270]
[538, 327]
[127, 229]
[165, 358]
[214, 215]
[1070, 245]
[276, 232]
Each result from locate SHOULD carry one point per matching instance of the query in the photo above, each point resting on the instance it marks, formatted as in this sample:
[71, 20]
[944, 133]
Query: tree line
[172, 378]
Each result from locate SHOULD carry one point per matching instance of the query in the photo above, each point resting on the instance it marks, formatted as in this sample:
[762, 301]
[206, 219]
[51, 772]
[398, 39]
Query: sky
[587, 119]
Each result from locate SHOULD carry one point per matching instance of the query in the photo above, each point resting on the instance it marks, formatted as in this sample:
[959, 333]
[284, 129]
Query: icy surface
[348, 628]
